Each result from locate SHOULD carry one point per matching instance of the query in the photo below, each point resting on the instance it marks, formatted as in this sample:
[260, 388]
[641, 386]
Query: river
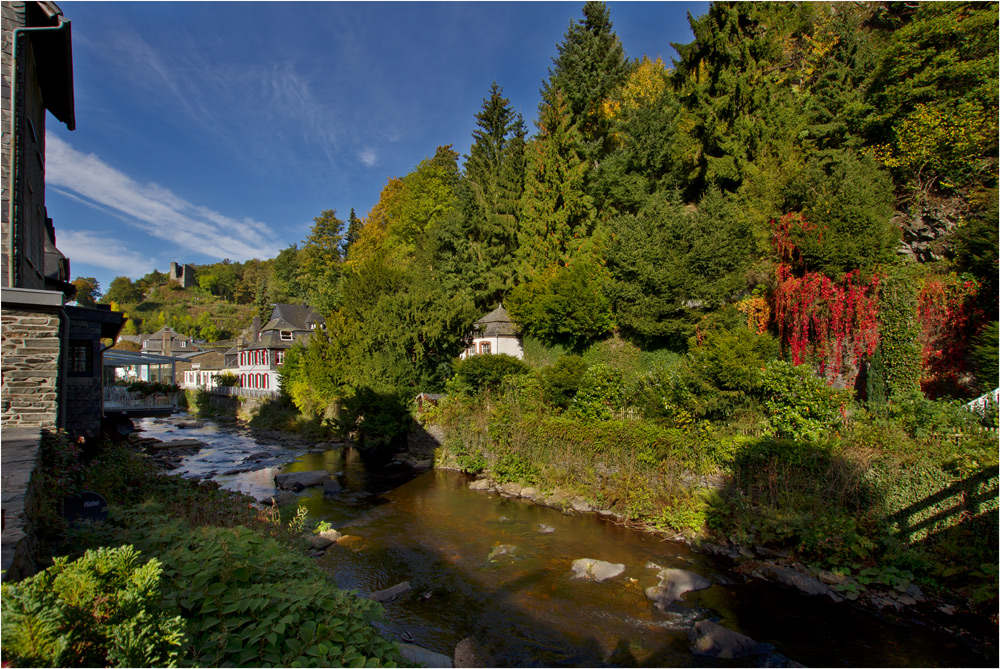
[429, 529]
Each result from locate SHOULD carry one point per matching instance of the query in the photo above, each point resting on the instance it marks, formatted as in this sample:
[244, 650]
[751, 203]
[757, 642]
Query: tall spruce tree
[590, 66]
[558, 215]
[490, 197]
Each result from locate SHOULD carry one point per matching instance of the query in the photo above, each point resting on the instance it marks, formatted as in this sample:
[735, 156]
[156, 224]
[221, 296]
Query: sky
[213, 130]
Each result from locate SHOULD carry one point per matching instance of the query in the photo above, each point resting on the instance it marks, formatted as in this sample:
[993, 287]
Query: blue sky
[219, 130]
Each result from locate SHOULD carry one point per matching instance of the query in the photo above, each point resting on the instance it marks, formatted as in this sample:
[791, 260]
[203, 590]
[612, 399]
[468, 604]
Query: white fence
[255, 393]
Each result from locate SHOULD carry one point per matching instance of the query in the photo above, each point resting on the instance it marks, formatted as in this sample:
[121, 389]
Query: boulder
[794, 579]
[580, 505]
[470, 653]
[714, 640]
[545, 529]
[529, 493]
[674, 583]
[318, 542]
[512, 489]
[330, 535]
[390, 593]
[279, 499]
[481, 484]
[299, 480]
[596, 570]
[417, 656]
[331, 487]
[177, 443]
[190, 426]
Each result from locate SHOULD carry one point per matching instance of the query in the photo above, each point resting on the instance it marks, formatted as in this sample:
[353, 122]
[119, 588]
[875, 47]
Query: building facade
[265, 346]
[494, 333]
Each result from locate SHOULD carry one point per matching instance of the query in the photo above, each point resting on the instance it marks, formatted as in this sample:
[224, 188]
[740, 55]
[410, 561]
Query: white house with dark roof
[495, 333]
[263, 351]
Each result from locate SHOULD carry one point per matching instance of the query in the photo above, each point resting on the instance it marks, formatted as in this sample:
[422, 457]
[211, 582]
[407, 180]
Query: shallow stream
[523, 605]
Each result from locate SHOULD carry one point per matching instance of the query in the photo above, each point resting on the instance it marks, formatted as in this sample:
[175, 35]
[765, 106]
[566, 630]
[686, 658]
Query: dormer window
[312, 326]
[286, 335]
[183, 344]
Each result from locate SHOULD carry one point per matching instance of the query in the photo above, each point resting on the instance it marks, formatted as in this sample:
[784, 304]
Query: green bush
[733, 359]
[800, 404]
[479, 373]
[561, 380]
[103, 609]
[602, 394]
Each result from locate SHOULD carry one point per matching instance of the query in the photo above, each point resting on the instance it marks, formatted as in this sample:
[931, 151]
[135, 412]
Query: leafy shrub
[249, 601]
[601, 395]
[561, 380]
[379, 418]
[733, 359]
[103, 609]
[479, 373]
[801, 405]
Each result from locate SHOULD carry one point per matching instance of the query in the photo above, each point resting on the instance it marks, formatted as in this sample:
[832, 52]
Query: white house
[495, 333]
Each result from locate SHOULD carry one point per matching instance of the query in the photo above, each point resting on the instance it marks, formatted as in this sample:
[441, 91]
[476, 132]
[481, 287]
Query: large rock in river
[673, 584]
[714, 640]
[596, 570]
[299, 480]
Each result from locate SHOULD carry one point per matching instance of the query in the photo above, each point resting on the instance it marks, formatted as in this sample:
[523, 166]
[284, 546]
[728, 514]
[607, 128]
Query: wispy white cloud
[154, 209]
[368, 156]
[90, 248]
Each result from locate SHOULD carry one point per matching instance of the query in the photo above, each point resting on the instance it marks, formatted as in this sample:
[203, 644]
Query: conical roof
[496, 323]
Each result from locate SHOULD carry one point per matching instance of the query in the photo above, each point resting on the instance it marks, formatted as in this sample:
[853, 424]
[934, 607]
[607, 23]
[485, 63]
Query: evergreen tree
[558, 215]
[353, 231]
[490, 199]
[590, 66]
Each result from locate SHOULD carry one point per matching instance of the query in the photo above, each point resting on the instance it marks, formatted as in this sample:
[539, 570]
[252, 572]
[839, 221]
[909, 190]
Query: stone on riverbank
[481, 484]
[177, 443]
[299, 480]
[792, 578]
[390, 593]
[674, 583]
[596, 570]
[331, 487]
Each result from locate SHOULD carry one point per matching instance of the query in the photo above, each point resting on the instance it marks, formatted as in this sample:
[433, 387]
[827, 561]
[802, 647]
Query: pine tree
[590, 66]
[490, 195]
[353, 231]
[558, 215]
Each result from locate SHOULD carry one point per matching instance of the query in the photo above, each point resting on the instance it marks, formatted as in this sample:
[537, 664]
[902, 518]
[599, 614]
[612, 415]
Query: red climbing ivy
[832, 322]
[949, 319]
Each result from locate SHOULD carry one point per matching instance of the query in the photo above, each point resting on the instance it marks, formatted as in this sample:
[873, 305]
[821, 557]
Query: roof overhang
[54, 58]
[121, 358]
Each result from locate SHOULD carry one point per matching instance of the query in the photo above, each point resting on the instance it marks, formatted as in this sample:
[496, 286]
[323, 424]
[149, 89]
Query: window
[279, 358]
[484, 347]
[81, 357]
[286, 335]
[312, 326]
[183, 344]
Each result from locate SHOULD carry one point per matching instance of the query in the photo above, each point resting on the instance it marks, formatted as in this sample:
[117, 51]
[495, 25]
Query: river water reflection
[431, 530]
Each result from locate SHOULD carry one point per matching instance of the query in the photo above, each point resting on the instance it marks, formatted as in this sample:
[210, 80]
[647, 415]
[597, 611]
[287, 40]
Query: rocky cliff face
[927, 226]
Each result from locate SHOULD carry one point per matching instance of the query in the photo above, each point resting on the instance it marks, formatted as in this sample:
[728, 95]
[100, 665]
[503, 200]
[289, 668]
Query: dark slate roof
[496, 323]
[298, 316]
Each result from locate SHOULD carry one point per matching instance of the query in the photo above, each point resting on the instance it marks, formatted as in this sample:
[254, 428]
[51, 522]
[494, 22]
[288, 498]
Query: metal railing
[118, 398]
[235, 391]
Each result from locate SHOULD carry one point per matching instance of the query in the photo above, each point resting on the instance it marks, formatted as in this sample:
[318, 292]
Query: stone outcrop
[674, 583]
[713, 640]
[596, 570]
